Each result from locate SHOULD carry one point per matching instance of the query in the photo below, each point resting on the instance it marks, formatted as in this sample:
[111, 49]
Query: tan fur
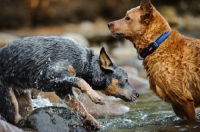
[22, 102]
[105, 61]
[25, 104]
[94, 96]
[174, 67]
[71, 70]
[114, 90]
[15, 104]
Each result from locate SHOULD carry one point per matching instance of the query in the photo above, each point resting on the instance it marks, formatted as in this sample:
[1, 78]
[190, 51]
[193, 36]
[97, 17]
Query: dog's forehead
[120, 73]
[129, 12]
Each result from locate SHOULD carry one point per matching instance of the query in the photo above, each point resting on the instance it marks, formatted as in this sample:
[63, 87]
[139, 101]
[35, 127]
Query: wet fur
[174, 67]
[58, 64]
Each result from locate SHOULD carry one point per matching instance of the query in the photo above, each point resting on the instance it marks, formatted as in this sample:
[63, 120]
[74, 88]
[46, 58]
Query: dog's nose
[110, 24]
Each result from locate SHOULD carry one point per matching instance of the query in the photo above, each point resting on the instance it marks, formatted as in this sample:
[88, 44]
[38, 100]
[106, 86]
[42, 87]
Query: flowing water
[148, 114]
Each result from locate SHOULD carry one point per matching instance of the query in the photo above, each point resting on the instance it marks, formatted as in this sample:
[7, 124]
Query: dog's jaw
[118, 35]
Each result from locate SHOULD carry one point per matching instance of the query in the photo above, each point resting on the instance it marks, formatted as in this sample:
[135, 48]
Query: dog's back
[38, 53]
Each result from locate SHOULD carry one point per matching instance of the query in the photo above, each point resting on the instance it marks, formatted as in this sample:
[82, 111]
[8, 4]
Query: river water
[148, 114]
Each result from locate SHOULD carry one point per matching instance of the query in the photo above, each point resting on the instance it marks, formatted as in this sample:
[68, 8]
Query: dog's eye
[126, 80]
[127, 18]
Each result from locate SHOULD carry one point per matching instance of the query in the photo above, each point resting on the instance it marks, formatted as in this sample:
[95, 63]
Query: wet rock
[6, 38]
[111, 108]
[54, 119]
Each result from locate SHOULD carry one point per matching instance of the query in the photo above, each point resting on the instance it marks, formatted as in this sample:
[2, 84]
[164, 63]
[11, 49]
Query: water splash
[40, 102]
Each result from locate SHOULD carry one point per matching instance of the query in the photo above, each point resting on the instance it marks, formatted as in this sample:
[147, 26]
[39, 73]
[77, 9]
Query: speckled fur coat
[57, 64]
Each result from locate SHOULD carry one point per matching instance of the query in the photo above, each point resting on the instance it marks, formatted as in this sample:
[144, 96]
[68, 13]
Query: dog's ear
[147, 11]
[105, 61]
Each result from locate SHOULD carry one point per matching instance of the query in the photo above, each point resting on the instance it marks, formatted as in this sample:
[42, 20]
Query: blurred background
[86, 21]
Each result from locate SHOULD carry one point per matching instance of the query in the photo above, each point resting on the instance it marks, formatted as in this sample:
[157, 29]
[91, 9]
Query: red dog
[172, 61]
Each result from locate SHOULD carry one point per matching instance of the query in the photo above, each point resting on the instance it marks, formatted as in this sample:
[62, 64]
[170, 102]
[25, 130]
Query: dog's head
[141, 25]
[115, 79]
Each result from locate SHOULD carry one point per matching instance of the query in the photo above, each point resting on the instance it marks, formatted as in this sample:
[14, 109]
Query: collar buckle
[153, 46]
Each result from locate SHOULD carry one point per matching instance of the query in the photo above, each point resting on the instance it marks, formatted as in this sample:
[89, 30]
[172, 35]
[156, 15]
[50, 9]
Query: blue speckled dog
[58, 64]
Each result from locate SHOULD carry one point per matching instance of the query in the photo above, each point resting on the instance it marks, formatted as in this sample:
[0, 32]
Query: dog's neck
[154, 31]
[94, 76]
[89, 75]
[153, 46]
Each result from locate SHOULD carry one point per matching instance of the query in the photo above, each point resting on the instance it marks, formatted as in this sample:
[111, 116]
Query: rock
[137, 82]
[6, 38]
[54, 119]
[109, 109]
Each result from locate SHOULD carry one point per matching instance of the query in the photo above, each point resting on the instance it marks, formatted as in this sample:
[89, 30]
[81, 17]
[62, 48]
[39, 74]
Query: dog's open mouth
[117, 35]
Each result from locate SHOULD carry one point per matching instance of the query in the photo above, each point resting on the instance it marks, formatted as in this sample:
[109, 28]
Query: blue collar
[151, 48]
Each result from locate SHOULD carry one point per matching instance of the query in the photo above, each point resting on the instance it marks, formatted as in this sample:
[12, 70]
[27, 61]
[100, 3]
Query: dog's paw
[98, 100]
[91, 123]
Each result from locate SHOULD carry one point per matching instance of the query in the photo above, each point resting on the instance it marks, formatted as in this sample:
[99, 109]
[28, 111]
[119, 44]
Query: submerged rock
[111, 108]
[54, 119]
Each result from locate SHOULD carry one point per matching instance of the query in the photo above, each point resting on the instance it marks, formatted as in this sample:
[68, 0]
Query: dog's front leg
[66, 78]
[77, 106]
[94, 96]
